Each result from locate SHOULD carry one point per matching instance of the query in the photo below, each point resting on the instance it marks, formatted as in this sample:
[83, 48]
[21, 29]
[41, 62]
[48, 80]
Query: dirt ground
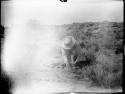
[54, 78]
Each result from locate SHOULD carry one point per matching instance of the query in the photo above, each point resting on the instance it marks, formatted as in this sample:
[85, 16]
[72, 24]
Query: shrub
[106, 73]
[102, 45]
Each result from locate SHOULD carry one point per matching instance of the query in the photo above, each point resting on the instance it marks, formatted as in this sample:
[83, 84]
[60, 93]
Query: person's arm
[79, 52]
[76, 60]
[79, 49]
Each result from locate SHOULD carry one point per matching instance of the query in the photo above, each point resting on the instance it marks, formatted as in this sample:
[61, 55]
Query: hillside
[33, 59]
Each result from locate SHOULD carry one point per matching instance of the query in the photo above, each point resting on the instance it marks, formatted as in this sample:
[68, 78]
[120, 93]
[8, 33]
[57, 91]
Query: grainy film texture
[51, 46]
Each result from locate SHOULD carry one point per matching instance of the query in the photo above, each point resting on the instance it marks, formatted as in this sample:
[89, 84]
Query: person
[71, 51]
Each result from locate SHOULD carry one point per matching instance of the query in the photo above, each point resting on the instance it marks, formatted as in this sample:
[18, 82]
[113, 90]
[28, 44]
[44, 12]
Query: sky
[55, 12]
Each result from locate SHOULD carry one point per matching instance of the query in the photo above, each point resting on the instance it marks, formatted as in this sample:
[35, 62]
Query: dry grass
[105, 73]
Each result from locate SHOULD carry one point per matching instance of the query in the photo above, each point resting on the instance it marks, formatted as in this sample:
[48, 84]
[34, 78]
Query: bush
[87, 58]
[102, 73]
[102, 45]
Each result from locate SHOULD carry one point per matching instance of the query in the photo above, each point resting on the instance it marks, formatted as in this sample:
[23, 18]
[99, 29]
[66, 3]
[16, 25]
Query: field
[102, 44]
[37, 65]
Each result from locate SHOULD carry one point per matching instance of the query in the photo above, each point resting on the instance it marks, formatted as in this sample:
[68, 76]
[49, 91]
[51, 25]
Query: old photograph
[62, 46]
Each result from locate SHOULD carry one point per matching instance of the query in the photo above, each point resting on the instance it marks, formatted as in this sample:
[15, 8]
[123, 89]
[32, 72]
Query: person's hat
[68, 42]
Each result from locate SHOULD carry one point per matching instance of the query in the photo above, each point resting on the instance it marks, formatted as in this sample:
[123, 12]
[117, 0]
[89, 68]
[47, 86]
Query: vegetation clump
[102, 56]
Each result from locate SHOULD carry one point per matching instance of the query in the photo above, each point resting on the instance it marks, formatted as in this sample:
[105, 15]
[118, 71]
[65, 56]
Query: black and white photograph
[62, 46]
